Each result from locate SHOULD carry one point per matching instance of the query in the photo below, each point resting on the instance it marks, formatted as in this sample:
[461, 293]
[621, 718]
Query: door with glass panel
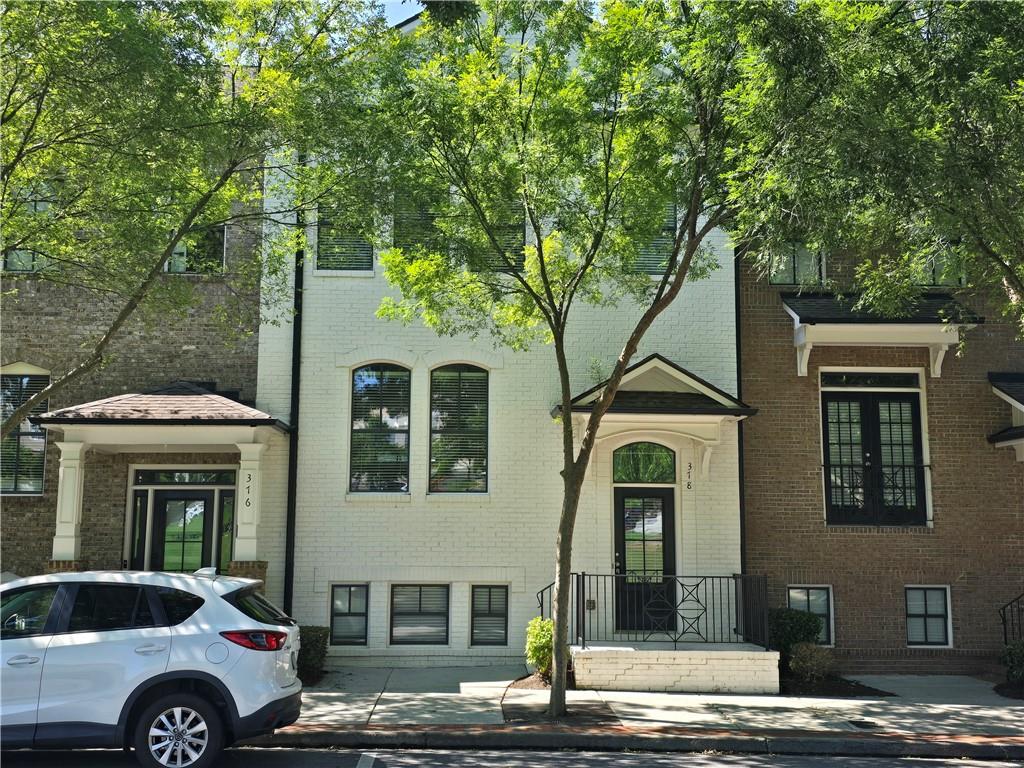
[645, 559]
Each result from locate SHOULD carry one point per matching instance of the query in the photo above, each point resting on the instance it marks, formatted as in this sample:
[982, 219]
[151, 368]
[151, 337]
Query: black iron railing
[1012, 616]
[642, 607]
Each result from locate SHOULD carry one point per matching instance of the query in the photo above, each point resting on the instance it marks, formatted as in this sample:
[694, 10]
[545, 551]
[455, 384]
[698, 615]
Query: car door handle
[149, 650]
[21, 660]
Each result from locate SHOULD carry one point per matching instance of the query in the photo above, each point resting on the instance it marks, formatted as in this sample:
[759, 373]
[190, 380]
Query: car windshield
[257, 607]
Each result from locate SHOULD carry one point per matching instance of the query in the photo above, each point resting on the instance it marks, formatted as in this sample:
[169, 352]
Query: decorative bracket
[704, 459]
[803, 355]
[936, 353]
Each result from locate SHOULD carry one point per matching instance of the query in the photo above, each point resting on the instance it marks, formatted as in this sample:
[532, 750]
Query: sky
[400, 10]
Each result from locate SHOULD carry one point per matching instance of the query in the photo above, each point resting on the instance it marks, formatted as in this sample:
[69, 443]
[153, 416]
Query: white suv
[177, 666]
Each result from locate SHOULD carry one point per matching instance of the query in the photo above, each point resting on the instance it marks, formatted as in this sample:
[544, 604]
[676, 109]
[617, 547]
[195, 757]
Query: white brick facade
[503, 537]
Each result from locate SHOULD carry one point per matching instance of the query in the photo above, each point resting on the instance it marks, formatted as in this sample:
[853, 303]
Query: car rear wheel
[180, 730]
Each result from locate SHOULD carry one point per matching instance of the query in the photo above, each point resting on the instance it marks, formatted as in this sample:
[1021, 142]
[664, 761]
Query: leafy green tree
[582, 125]
[133, 129]
[912, 159]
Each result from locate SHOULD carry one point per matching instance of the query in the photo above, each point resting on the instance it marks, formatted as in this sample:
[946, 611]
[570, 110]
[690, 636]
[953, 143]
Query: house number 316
[248, 489]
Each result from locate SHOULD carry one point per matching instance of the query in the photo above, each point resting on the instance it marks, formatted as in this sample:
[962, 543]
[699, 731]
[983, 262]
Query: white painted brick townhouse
[427, 487]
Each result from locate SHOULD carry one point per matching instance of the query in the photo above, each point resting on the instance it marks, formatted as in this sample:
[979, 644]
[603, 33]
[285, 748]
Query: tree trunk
[562, 597]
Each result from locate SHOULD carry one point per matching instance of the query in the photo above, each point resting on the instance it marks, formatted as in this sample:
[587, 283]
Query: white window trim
[831, 608]
[949, 615]
[126, 553]
[923, 408]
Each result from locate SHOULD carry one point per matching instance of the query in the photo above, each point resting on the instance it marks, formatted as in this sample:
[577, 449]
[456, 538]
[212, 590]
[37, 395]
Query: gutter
[293, 417]
[739, 396]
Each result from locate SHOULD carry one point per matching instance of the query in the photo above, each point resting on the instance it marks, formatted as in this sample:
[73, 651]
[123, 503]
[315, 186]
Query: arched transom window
[644, 463]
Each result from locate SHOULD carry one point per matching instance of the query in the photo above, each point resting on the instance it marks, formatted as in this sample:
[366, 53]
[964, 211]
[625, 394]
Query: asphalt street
[315, 758]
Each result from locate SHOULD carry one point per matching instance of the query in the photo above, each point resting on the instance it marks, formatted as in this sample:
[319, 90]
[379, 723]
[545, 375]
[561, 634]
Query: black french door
[182, 538]
[645, 559]
[874, 471]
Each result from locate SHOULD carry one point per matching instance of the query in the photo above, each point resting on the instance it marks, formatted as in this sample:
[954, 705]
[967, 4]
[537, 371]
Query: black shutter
[458, 429]
[23, 452]
[380, 429]
[337, 248]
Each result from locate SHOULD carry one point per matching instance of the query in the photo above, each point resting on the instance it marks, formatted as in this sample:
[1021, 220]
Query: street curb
[750, 743]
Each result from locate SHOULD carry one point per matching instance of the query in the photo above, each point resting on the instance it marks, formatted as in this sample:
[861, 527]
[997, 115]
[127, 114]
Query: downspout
[739, 396]
[293, 414]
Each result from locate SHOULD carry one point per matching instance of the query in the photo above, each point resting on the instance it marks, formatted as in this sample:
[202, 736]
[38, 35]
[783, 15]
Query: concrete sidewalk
[473, 707]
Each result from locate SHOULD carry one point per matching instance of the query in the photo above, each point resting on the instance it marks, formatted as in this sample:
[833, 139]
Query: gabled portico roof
[1010, 387]
[656, 385]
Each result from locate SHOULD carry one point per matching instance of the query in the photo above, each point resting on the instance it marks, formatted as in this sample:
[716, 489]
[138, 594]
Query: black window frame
[365, 613]
[196, 257]
[793, 278]
[946, 615]
[936, 266]
[380, 368]
[461, 368]
[829, 607]
[447, 613]
[873, 511]
[354, 252]
[43, 380]
[490, 613]
[146, 594]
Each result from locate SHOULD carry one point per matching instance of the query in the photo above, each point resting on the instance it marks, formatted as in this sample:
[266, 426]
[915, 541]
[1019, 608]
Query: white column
[67, 543]
[248, 514]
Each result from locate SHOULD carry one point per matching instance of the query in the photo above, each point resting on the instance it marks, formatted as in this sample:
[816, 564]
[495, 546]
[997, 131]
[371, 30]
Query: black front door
[645, 559]
[182, 530]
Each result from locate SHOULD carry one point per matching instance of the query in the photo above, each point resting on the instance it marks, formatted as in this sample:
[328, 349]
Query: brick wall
[48, 325]
[976, 542]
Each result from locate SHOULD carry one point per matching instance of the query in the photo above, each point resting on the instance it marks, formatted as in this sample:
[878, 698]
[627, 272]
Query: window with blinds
[927, 615]
[489, 621]
[349, 613]
[379, 458]
[339, 249]
[415, 221]
[23, 453]
[458, 429]
[510, 232]
[419, 614]
[652, 258]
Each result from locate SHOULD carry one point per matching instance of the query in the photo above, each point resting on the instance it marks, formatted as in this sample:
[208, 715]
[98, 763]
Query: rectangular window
[203, 256]
[380, 429]
[927, 615]
[458, 429]
[348, 613]
[184, 477]
[21, 260]
[489, 620]
[510, 232]
[796, 265]
[415, 220]
[105, 608]
[340, 249]
[943, 270]
[24, 450]
[653, 257]
[816, 600]
[419, 614]
[874, 470]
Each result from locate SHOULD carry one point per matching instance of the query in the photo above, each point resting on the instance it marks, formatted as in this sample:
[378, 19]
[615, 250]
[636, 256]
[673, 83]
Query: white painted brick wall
[689, 671]
[506, 536]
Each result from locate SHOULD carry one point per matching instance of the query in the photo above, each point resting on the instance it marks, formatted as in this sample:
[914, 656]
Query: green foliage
[540, 645]
[787, 627]
[810, 662]
[1013, 658]
[312, 653]
[906, 149]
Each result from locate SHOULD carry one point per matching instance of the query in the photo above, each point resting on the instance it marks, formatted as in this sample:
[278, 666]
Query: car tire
[193, 727]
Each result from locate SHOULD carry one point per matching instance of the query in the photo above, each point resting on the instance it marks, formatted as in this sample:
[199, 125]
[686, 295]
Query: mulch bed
[531, 682]
[1010, 690]
[830, 686]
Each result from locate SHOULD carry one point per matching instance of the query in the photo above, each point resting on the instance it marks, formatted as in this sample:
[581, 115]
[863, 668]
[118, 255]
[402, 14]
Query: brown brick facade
[976, 542]
[46, 325]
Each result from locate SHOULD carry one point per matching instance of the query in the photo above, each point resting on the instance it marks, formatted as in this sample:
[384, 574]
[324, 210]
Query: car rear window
[257, 607]
[178, 604]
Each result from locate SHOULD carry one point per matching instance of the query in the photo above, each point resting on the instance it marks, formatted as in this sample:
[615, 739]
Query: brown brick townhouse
[884, 473]
[139, 445]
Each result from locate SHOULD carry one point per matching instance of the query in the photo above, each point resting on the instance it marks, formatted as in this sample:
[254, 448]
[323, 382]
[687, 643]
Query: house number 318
[689, 476]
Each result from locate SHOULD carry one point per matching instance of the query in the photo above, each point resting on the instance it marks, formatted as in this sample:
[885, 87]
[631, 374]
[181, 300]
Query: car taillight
[257, 639]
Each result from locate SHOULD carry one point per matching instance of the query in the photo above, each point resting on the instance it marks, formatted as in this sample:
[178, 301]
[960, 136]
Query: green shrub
[787, 627]
[312, 653]
[540, 645]
[810, 662]
[1013, 658]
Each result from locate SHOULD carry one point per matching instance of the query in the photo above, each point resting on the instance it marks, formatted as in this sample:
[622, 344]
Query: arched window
[380, 428]
[644, 463]
[458, 429]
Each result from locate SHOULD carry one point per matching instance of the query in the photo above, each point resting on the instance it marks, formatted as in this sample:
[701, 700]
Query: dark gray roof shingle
[814, 308]
[1010, 384]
